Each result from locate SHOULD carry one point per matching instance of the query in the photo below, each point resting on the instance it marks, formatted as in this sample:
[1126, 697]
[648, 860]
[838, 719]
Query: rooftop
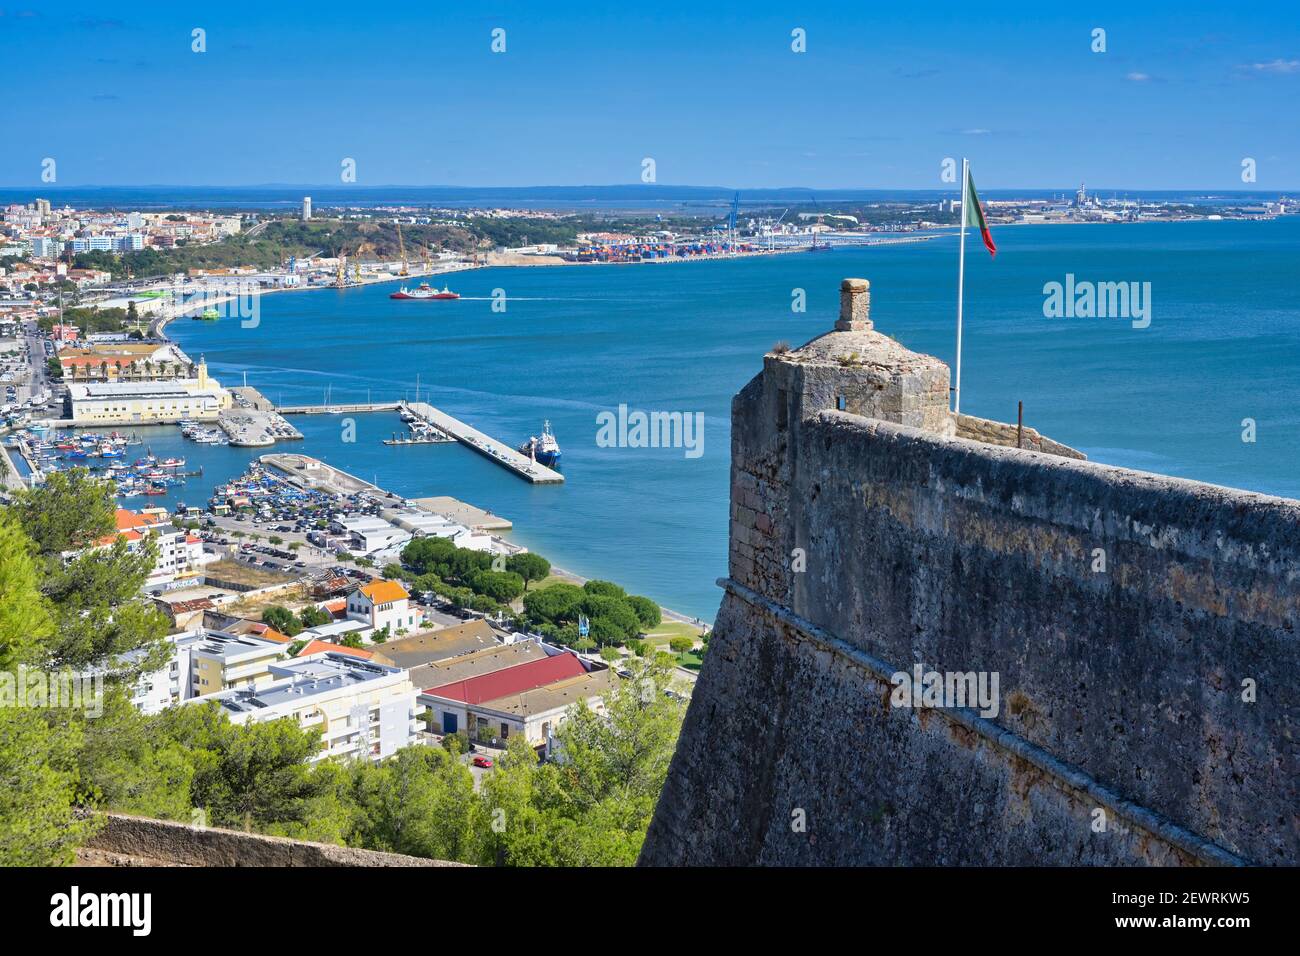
[302, 680]
[511, 680]
[383, 591]
[486, 661]
[438, 645]
[227, 646]
[319, 647]
[561, 694]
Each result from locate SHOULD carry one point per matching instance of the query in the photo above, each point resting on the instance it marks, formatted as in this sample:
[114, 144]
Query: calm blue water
[1223, 345]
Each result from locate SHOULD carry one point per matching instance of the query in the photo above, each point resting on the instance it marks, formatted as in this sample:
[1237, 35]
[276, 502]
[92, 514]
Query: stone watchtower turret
[856, 369]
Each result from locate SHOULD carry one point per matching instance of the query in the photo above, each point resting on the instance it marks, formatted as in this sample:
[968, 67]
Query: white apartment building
[362, 709]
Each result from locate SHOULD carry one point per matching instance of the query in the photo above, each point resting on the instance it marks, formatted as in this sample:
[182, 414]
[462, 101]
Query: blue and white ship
[543, 448]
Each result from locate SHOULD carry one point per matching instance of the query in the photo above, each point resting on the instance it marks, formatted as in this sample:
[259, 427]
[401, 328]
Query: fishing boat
[543, 448]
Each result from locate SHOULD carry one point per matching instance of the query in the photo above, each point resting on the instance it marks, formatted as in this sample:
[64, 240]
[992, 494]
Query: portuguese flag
[973, 214]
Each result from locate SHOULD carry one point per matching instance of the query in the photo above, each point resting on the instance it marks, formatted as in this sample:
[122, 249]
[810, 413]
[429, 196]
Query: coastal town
[297, 590]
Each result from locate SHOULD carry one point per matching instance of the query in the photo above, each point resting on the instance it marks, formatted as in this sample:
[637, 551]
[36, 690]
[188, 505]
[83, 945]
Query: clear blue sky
[711, 91]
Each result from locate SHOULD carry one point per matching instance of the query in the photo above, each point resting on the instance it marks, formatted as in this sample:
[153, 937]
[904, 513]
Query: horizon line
[647, 187]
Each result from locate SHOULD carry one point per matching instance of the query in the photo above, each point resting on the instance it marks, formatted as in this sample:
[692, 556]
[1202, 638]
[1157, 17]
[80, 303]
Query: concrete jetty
[333, 409]
[312, 474]
[486, 445]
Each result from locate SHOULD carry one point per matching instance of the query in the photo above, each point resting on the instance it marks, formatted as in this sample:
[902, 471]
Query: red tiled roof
[267, 632]
[511, 680]
[129, 519]
[317, 645]
[128, 535]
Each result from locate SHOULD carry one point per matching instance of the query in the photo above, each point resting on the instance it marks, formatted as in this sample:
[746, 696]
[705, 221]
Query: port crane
[401, 250]
[731, 222]
[771, 230]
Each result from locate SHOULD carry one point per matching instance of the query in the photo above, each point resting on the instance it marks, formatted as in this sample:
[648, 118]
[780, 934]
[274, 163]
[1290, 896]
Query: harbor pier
[486, 445]
[453, 428]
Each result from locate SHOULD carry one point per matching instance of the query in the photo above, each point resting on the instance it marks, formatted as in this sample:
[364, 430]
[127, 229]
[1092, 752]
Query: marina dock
[340, 409]
[454, 428]
[486, 445]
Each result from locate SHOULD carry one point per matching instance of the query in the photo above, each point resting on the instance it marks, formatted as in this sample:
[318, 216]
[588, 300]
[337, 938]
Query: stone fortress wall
[1143, 631]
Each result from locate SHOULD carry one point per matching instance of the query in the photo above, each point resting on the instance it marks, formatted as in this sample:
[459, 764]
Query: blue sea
[1223, 346]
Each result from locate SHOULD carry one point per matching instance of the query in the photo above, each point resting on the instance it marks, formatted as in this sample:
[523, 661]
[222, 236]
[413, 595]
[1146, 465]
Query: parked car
[480, 761]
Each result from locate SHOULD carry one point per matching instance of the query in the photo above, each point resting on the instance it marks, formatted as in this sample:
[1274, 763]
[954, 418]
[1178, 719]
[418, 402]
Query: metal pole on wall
[961, 279]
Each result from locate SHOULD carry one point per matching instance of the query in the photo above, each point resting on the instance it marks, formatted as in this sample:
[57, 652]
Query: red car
[482, 762]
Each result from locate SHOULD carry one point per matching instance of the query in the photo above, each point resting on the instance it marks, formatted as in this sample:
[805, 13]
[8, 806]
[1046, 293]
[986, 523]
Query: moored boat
[543, 448]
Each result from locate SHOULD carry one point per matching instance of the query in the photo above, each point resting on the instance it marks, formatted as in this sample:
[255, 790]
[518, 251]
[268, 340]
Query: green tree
[531, 567]
[420, 802]
[282, 619]
[101, 618]
[313, 616]
[428, 555]
[680, 645]
[618, 622]
[39, 825]
[247, 777]
[393, 571]
[554, 603]
[647, 611]
[501, 586]
[38, 770]
[126, 764]
[69, 510]
[605, 589]
[25, 622]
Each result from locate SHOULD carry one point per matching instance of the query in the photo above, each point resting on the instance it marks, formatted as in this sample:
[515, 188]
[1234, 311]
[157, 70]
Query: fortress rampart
[1142, 630]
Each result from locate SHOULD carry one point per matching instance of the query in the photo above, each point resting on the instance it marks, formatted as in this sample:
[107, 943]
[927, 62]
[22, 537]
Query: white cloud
[1138, 77]
[1277, 66]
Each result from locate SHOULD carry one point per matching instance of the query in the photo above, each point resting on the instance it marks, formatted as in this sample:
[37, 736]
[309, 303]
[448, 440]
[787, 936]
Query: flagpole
[961, 278]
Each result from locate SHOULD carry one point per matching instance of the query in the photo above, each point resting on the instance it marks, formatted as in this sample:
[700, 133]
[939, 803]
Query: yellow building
[226, 662]
[147, 402]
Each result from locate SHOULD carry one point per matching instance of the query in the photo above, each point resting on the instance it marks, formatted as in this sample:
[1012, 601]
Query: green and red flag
[973, 214]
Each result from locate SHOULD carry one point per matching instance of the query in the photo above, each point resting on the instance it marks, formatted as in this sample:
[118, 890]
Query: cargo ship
[543, 448]
[424, 291]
